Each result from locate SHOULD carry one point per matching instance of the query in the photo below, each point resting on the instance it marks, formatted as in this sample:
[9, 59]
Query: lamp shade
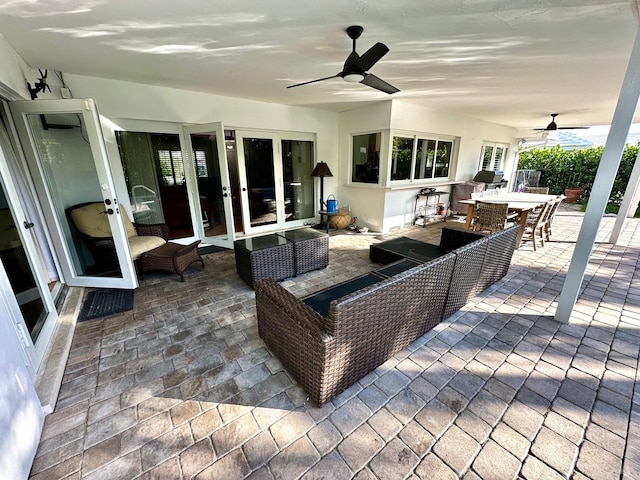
[321, 170]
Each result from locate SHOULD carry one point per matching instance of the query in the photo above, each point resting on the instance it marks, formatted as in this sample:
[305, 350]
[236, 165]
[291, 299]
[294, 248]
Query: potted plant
[575, 189]
[573, 193]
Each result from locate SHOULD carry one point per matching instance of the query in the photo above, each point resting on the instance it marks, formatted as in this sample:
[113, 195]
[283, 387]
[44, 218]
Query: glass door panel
[155, 175]
[257, 159]
[33, 309]
[297, 165]
[69, 166]
[206, 148]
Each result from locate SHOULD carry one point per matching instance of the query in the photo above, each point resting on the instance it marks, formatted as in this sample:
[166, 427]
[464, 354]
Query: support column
[605, 176]
[629, 201]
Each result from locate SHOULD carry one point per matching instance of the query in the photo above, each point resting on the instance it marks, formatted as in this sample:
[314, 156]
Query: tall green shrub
[576, 168]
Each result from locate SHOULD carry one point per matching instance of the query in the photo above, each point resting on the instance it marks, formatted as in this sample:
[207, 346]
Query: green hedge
[576, 168]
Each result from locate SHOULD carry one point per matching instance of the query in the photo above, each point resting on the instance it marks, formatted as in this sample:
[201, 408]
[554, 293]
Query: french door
[68, 162]
[33, 311]
[276, 183]
[209, 183]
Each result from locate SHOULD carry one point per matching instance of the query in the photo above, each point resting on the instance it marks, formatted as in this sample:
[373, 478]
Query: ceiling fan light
[353, 77]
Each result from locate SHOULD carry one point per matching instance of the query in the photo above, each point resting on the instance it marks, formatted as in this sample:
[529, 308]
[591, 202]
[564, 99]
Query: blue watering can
[332, 204]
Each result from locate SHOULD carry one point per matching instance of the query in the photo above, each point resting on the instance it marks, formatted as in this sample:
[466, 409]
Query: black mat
[101, 303]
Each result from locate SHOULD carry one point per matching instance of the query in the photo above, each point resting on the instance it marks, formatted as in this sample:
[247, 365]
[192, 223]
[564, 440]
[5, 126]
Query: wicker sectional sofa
[331, 339]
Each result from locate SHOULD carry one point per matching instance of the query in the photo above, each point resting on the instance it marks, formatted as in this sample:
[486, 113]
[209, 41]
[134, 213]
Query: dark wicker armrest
[289, 306]
[154, 230]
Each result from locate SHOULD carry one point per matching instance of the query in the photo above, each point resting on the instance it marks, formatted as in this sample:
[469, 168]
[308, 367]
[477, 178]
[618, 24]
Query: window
[427, 158]
[201, 163]
[492, 156]
[171, 167]
[401, 158]
[366, 158]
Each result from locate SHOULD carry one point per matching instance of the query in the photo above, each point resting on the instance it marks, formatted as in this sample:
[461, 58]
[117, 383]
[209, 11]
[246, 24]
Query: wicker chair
[541, 190]
[491, 217]
[92, 226]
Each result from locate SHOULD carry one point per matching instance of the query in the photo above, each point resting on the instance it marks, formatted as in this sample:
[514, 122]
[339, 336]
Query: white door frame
[87, 108]
[191, 175]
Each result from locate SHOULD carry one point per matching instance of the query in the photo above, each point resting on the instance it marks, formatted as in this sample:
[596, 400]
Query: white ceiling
[511, 62]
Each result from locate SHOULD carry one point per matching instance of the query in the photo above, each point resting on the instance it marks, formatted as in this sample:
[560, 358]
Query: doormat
[211, 249]
[102, 303]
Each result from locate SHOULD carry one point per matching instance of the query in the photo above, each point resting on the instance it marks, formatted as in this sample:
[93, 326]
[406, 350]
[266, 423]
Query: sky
[598, 134]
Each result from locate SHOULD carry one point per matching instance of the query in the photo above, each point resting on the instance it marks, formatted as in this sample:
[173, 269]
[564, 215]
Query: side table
[325, 214]
[267, 256]
[310, 249]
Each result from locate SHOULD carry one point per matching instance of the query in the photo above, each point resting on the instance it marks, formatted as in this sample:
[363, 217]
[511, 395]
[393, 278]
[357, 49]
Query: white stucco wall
[13, 84]
[366, 201]
[385, 209]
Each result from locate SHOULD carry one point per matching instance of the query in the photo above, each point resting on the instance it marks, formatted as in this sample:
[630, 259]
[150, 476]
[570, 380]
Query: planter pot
[573, 194]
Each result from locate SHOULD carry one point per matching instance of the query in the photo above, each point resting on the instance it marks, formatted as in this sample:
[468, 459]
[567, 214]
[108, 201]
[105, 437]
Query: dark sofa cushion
[320, 301]
[403, 247]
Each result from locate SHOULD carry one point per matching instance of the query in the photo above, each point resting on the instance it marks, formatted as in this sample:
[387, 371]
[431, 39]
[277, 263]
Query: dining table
[518, 202]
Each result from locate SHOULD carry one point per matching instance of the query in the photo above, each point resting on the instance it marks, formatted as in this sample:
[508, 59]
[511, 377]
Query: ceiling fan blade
[379, 84]
[369, 58]
[314, 81]
[572, 128]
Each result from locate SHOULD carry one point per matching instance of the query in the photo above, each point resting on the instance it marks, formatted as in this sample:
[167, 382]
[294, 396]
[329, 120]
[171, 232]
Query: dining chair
[552, 214]
[541, 190]
[537, 224]
[489, 216]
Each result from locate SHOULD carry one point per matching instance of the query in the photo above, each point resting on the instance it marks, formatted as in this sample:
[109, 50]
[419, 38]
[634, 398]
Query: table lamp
[321, 170]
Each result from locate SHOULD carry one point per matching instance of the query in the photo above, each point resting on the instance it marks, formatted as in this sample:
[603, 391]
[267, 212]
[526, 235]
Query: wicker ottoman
[310, 249]
[267, 256]
[171, 257]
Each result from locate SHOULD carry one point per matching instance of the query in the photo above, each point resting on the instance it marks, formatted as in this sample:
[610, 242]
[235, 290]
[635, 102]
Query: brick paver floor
[183, 387]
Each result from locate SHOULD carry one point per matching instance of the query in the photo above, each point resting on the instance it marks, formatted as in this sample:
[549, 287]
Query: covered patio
[183, 387]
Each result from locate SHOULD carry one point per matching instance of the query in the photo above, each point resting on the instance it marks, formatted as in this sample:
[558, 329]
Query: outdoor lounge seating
[92, 225]
[171, 257]
[334, 337]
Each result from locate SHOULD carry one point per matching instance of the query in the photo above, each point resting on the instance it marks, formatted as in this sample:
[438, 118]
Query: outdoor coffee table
[310, 249]
[267, 256]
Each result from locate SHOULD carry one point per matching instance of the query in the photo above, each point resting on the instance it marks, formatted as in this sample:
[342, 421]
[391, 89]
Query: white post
[629, 201]
[605, 176]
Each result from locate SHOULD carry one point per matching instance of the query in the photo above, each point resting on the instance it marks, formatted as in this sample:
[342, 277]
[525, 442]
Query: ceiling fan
[554, 126]
[356, 66]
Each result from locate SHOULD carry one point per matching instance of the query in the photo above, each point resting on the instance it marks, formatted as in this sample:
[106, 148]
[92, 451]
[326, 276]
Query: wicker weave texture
[498, 257]
[360, 333]
[490, 216]
[541, 190]
[311, 254]
[171, 257]
[276, 263]
[154, 230]
[466, 273]
[365, 328]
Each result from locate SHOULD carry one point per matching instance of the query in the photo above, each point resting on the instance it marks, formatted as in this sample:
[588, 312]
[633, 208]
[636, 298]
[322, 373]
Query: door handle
[28, 225]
